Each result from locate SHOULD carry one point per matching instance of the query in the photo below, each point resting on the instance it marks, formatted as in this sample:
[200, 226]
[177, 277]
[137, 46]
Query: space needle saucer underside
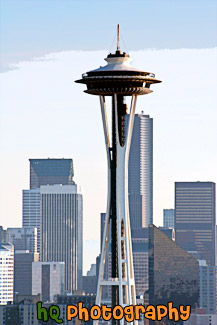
[122, 91]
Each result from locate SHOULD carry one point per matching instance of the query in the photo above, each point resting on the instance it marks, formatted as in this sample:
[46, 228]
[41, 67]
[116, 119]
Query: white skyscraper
[62, 230]
[31, 211]
[140, 169]
[207, 287]
[6, 273]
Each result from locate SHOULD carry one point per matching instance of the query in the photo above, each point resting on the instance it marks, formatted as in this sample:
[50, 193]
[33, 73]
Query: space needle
[118, 79]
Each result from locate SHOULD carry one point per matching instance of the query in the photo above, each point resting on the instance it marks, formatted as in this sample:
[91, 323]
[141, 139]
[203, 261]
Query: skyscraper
[50, 172]
[140, 259]
[48, 279]
[207, 287]
[23, 271]
[62, 230]
[169, 218]
[32, 213]
[6, 273]
[140, 172]
[195, 219]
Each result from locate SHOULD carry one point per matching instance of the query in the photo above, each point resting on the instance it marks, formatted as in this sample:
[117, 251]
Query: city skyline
[183, 110]
[80, 152]
[69, 240]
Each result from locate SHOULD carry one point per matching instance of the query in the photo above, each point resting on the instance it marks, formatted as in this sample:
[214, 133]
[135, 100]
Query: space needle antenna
[118, 38]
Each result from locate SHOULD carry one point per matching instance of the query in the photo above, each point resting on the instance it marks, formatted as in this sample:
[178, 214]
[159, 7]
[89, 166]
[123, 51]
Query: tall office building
[50, 172]
[140, 178]
[207, 287]
[32, 212]
[48, 279]
[140, 259]
[23, 260]
[6, 273]
[195, 219]
[61, 230]
[173, 273]
[23, 238]
[169, 218]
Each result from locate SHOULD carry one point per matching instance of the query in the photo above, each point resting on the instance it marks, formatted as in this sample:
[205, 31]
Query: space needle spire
[118, 38]
[118, 80]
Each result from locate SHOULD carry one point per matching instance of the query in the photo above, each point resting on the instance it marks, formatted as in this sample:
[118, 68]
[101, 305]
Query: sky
[29, 28]
[46, 45]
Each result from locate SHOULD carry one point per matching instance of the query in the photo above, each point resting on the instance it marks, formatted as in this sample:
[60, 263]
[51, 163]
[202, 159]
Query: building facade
[207, 287]
[23, 272]
[51, 172]
[3, 235]
[140, 241]
[62, 230]
[23, 238]
[48, 279]
[202, 319]
[25, 313]
[89, 284]
[32, 212]
[169, 218]
[195, 219]
[9, 315]
[6, 273]
[140, 172]
[173, 273]
[140, 259]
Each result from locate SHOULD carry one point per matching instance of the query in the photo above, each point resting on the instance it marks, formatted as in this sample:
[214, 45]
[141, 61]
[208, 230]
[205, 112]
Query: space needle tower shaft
[118, 79]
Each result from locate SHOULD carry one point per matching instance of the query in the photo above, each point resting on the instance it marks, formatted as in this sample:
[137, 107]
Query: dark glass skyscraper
[195, 219]
[173, 273]
[51, 172]
[23, 260]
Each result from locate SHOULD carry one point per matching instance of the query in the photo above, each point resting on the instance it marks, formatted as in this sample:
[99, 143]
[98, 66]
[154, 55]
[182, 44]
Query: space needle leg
[107, 219]
[127, 292]
[126, 282]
